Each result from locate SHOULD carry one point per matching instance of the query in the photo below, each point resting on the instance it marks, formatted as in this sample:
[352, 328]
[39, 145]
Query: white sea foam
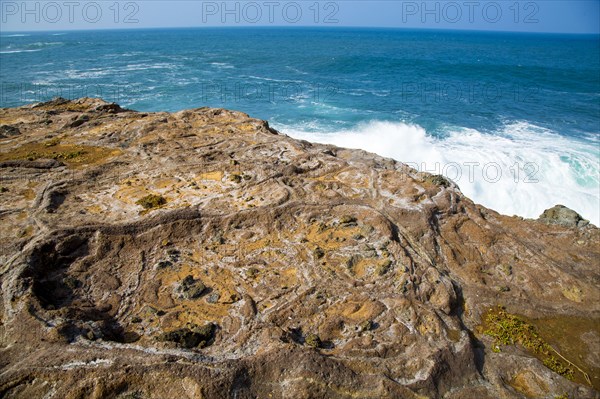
[143, 67]
[222, 65]
[29, 48]
[296, 70]
[45, 44]
[272, 80]
[92, 73]
[19, 51]
[362, 92]
[522, 169]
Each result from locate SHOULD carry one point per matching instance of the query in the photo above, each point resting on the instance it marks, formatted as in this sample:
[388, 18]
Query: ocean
[513, 119]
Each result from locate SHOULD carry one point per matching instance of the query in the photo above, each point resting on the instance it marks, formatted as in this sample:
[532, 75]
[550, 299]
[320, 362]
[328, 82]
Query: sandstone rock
[326, 272]
[248, 308]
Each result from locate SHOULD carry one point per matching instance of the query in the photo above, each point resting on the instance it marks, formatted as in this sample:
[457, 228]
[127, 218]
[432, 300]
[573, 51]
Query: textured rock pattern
[201, 254]
[564, 216]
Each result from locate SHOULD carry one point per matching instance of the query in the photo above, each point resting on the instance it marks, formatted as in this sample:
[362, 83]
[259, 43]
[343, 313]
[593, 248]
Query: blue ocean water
[514, 119]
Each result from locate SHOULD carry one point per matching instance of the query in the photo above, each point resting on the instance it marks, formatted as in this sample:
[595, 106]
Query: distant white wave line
[361, 92]
[16, 35]
[20, 51]
[46, 44]
[522, 170]
[273, 80]
[143, 67]
[29, 48]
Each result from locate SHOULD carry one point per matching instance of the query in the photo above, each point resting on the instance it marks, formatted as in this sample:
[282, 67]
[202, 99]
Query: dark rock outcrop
[8, 131]
[190, 337]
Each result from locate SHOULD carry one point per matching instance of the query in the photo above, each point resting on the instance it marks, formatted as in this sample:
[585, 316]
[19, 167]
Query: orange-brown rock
[201, 254]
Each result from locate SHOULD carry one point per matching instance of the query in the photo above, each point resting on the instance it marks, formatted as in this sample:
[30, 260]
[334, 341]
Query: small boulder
[213, 298]
[8, 131]
[110, 108]
[191, 288]
[563, 216]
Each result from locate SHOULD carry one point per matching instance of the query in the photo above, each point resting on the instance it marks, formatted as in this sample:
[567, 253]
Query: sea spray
[521, 169]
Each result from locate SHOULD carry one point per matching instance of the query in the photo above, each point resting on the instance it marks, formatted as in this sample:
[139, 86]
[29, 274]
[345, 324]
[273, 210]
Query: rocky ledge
[201, 254]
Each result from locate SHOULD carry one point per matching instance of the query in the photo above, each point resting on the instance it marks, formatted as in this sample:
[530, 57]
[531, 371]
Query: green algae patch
[151, 201]
[510, 329]
[437, 180]
[453, 335]
[70, 154]
[313, 341]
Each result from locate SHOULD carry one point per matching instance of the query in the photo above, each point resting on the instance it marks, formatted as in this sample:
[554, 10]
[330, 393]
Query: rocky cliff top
[201, 254]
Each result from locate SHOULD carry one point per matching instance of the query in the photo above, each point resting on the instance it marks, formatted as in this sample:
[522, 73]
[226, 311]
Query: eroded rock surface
[201, 254]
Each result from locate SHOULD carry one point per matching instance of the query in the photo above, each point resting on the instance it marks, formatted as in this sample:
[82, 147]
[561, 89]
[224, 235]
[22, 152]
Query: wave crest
[521, 169]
